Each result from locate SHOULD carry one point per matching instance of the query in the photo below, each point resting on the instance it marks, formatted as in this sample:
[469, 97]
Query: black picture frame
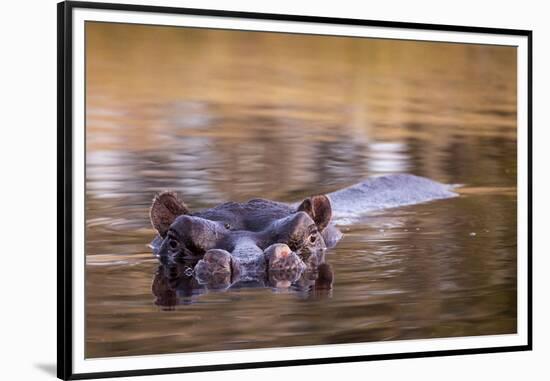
[65, 183]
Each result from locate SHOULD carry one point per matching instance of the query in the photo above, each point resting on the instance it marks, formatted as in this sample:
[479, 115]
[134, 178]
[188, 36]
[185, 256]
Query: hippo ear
[319, 209]
[164, 210]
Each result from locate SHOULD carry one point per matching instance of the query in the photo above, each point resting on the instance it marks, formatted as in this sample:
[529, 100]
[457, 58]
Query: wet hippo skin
[262, 239]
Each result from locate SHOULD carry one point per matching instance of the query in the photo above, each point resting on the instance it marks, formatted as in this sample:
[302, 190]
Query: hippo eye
[313, 238]
[227, 226]
[173, 243]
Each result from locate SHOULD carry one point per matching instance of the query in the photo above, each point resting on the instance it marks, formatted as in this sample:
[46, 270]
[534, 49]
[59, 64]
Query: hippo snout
[281, 258]
[221, 267]
[217, 267]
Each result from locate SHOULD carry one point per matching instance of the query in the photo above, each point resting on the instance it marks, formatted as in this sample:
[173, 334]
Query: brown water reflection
[223, 116]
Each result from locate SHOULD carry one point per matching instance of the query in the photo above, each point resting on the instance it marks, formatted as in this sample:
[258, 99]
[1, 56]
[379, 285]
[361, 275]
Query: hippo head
[245, 239]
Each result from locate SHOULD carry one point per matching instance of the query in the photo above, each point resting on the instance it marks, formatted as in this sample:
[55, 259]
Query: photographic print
[246, 187]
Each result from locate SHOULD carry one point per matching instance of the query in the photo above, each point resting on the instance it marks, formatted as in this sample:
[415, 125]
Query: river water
[220, 116]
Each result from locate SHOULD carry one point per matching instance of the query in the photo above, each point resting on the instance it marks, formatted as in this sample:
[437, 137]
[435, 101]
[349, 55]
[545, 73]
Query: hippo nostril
[278, 250]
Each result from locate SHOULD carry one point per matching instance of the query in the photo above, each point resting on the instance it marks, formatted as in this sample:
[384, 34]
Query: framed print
[241, 190]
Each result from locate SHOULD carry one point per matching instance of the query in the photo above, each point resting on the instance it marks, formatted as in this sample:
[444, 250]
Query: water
[221, 116]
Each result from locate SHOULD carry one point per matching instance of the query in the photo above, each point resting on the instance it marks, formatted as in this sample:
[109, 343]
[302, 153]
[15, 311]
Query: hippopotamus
[262, 240]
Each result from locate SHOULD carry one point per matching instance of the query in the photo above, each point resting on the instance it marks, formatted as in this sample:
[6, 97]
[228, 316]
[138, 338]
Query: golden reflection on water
[228, 115]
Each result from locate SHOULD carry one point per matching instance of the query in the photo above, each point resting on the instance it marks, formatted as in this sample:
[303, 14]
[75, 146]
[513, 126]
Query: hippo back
[386, 192]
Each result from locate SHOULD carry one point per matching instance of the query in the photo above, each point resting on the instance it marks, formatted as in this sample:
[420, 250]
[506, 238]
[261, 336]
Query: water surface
[220, 116]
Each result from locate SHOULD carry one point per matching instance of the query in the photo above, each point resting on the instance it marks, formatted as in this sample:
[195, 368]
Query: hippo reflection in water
[268, 242]
[174, 282]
